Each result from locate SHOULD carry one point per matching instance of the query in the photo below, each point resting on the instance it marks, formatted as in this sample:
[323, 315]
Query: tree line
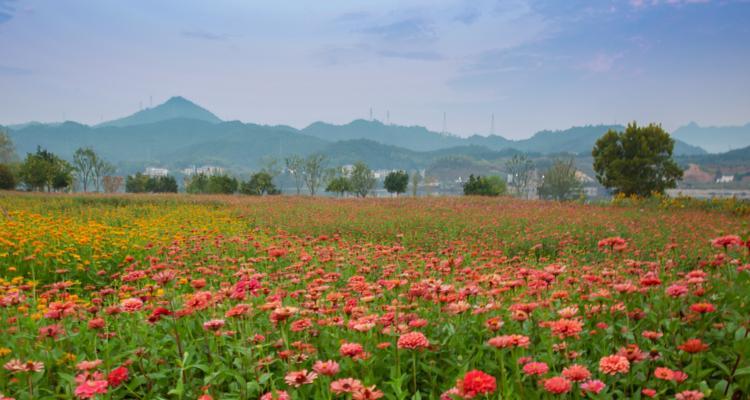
[638, 161]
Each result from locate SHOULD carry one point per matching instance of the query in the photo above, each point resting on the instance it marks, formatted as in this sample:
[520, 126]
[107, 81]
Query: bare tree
[313, 171]
[520, 168]
[101, 169]
[415, 178]
[112, 184]
[295, 167]
[7, 149]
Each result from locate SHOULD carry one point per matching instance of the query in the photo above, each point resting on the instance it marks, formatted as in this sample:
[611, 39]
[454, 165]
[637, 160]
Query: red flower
[693, 346]
[117, 376]
[557, 385]
[612, 365]
[477, 382]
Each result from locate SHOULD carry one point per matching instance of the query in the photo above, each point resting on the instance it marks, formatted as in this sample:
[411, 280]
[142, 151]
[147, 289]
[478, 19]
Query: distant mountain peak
[175, 107]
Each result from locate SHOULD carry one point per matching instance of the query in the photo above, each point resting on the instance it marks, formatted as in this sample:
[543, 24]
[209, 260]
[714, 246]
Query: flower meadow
[204, 298]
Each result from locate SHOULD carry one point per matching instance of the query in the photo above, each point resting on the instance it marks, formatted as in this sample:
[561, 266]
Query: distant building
[155, 172]
[583, 178]
[208, 170]
[725, 179]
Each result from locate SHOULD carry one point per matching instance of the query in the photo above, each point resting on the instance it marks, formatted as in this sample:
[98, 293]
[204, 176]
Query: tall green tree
[260, 183]
[101, 169]
[362, 179]
[484, 186]
[560, 181]
[339, 185]
[83, 164]
[396, 182]
[637, 161]
[7, 178]
[44, 170]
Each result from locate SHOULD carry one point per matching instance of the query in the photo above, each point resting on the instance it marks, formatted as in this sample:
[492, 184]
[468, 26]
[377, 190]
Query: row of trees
[46, 171]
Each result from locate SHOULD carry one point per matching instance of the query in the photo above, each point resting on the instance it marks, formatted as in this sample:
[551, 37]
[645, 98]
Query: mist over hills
[715, 139]
[179, 133]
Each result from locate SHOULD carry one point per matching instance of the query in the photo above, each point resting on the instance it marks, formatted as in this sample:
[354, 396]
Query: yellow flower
[4, 351]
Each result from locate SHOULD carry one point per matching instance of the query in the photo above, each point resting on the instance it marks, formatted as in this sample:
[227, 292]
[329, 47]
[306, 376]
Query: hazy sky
[534, 64]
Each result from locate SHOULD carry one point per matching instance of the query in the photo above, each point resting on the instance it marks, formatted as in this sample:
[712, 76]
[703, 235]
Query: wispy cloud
[412, 55]
[602, 62]
[205, 35]
[6, 10]
[646, 3]
[8, 70]
[411, 29]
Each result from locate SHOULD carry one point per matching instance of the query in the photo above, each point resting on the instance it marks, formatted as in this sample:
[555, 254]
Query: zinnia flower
[693, 346]
[612, 365]
[346, 385]
[413, 341]
[299, 378]
[557, 385]
[476, 382]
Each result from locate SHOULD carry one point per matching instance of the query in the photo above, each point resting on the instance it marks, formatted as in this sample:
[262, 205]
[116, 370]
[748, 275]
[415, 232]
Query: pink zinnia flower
[535, 368]
[346, 385]
[131, 305]
[328, 368]
[299, 378]
[595, 386]
[557, 385]
[413, 341]
[612, 365]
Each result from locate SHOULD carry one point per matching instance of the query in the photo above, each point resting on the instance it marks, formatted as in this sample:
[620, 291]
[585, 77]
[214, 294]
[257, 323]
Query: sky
[533, 64]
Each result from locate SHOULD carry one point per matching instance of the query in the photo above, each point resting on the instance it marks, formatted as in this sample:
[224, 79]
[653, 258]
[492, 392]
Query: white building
[725, 179]
[208, 170]
[154, 172]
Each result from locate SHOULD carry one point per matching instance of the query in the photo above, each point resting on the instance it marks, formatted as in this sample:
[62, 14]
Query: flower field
[441, 298]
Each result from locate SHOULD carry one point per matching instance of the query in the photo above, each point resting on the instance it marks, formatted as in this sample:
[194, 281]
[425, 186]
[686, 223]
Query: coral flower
[476, 382]
[277, 395]
[328, 368]
[693, 346]
[131, 305]
[576, 373]
[702, 308]
[612, 365]
[87, 389]
[299, 378]
[594, 386]
[727, 241]
[505, 341]
[535, 368]
[689, 395]
[557, 385]
[367, 393]
[563, 328]
[213, 325]
[351, 349]
[413, 341]
[664, 373]
[346, 385]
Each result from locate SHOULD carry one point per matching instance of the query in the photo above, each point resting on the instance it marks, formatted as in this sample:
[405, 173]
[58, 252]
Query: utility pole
[388, 117]
[370, 113]
[492, 125]
[444, 122]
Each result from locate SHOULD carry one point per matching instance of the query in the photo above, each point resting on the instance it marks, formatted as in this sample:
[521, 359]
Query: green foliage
[84, 160]
[362, 179]
[637, 161]
[7, 178]
[259, 184]
[396, 182]
[44, 170]
[214, 184]
[140, 183]
[484, 186]
[560, 182]
[339, 185]
[294, 166]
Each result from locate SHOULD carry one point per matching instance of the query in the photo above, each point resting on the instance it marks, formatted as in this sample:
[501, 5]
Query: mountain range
[179, 133]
